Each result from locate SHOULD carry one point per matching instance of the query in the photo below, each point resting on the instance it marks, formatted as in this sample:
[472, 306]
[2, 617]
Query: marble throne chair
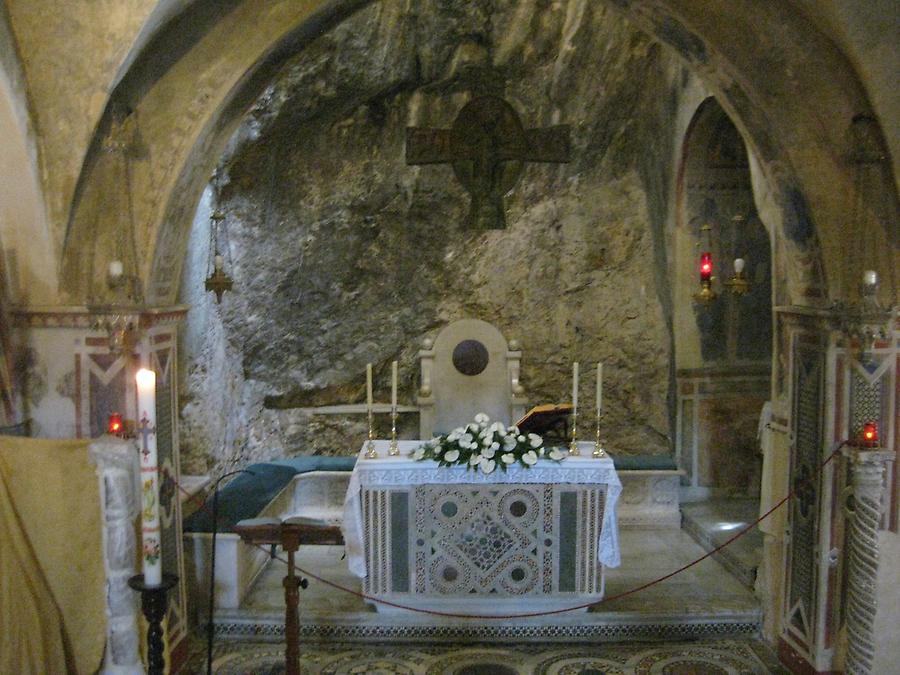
[468, 368]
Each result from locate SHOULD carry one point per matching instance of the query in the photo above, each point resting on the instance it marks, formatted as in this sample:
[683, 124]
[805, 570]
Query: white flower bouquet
[483, 445]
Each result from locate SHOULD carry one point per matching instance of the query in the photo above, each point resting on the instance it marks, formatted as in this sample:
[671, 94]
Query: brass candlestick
[393, 451]
[370, 444]
[599, 451]
[573, 445]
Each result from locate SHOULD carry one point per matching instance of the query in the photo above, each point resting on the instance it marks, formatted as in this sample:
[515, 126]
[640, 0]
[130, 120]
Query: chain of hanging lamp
[218, 280]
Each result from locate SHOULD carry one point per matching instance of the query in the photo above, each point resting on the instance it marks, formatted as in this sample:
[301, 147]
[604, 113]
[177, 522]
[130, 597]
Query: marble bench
[650, 492]
[312, 487]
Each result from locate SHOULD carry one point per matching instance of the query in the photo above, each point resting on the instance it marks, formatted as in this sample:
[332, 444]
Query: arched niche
[723, 348]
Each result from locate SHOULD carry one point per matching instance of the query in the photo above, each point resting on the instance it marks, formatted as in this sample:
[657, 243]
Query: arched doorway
[723, 345]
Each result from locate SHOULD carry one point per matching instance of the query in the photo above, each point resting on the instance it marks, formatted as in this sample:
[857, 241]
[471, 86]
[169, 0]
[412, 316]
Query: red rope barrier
[529, 615]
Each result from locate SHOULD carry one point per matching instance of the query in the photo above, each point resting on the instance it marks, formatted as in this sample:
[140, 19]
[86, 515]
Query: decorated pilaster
[867, 471]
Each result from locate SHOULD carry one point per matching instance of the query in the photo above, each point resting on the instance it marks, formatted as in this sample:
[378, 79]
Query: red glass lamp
[869, 435]
[115, 426]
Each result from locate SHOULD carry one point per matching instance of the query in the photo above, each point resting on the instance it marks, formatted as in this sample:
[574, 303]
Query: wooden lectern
[290, 534]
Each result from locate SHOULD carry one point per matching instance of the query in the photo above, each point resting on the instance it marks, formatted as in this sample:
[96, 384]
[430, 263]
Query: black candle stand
[153, 604]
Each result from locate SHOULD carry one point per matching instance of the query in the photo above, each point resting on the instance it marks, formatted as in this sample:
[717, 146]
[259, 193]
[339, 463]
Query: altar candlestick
[598, 445]
[393, 386]
[394, 450]
[370, 445]
[573, 445]
[150, 532]
[575, 387]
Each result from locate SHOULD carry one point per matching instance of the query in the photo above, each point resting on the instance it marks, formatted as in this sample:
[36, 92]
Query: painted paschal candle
[151, 552]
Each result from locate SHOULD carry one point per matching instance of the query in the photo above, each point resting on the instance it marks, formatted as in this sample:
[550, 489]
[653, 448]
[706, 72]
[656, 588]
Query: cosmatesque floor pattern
[703, 657]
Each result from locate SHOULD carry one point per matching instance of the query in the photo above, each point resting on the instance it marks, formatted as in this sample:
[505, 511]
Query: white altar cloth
[403, 470]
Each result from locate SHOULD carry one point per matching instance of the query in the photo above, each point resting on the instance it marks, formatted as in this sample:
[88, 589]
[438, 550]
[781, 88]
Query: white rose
[508, 458]
[556, 454]
[489, 452]
[465, 439]
[419, 454]
[530, 457]
[474, 459]
[521, 438]
[487, 465]
[451, 456]
[509, 442]
[512, 429]
[535, 440]
[495, 445]
[481, 418]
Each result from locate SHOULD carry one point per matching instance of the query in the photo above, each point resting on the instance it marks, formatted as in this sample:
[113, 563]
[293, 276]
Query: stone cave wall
[342, 254]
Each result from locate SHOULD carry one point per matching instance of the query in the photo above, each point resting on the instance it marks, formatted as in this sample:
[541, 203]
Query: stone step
[594, 626]
[712, 523]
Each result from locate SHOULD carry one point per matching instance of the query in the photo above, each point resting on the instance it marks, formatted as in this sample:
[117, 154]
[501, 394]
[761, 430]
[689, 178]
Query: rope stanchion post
[210, 625]
[528, 615]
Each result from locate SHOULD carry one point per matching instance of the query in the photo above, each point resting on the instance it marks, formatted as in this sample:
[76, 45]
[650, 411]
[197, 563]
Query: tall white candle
[599, 388]
[369, 386]
[575, 387]
[151, 550]
[393, 386]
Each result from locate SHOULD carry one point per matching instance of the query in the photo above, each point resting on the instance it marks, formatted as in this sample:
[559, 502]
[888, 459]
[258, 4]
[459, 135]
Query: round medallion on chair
[470, 357]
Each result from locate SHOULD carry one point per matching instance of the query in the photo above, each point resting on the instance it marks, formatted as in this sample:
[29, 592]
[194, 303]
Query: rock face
[342, 254]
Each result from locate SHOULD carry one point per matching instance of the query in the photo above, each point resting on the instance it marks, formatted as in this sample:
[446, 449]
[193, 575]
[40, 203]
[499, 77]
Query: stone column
[117, 470]
[867, 484]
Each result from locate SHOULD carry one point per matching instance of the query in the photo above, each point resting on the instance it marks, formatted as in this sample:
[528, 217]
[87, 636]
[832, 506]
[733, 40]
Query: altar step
[593, 626]
[703, 601]
[712, 522]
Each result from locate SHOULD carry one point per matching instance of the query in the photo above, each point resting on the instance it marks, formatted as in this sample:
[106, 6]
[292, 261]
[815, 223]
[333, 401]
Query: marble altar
[452, 540]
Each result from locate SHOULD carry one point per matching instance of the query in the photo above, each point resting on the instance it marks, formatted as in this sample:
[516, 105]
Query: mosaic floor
[706, 657]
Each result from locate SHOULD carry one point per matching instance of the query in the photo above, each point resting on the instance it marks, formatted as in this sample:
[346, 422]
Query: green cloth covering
[644, 463]
[247, 495]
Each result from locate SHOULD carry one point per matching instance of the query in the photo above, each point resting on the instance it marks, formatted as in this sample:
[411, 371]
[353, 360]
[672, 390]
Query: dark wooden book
[550, 420]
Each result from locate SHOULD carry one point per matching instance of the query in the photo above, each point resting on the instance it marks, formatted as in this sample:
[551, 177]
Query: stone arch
[715, 189]
[723, 348]
[776, 111]
[28, 258]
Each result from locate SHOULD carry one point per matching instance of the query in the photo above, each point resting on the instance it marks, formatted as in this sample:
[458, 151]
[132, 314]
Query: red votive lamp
[114, 426]
[706, 266]
[870, 434]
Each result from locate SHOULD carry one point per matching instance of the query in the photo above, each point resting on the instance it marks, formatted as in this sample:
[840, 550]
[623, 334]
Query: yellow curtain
[52, 581]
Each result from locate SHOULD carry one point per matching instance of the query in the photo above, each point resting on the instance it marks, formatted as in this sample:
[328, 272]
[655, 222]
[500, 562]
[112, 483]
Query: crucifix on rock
[487, 147]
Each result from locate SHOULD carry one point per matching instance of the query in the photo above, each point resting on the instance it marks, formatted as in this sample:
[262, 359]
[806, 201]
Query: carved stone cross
[487, 147]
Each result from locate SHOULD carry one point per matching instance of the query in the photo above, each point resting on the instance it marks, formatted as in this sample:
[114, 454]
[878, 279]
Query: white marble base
[649, 499]
[315, 494]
